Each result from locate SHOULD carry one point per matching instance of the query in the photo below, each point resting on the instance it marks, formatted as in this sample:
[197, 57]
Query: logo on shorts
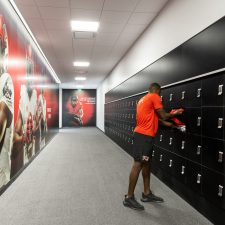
[145, 158]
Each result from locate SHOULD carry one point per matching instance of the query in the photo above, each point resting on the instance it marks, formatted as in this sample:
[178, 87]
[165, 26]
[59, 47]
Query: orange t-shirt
[146, 116]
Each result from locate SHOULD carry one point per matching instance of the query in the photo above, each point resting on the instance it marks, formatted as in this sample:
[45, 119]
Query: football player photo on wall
[79, 108]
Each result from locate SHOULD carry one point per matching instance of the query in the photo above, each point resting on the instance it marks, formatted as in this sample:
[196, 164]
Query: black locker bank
[193, 77]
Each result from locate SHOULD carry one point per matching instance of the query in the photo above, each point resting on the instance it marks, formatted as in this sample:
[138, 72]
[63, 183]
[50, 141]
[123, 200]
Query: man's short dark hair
[74, 98]
[154, 86]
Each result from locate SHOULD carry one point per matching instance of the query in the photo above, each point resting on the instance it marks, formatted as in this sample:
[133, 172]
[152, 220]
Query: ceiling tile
[106, 38]
[114, 17]
[141, 18]
[61, 37]
[82, 14]
[53, 3]
[24, 2]
[111, 27]
[57, 24]
[29, 12]
[100, 52]
[118, 5]
[134, 28]
[87, 4]
[55, 13]
[150, 5]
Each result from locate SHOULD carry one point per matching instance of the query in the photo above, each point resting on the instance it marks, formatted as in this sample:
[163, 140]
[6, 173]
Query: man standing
[26, 124]
[6, 108]
[75, 111]
[149, 111]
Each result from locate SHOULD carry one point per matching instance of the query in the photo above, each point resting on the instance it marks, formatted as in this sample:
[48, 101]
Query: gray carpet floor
[80, 178]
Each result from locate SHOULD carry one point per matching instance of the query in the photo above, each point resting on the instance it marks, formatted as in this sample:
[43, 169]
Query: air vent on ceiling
[83, 35]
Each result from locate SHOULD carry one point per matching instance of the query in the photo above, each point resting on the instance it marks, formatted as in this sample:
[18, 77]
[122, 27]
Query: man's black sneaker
[151, 198]
[132, 203]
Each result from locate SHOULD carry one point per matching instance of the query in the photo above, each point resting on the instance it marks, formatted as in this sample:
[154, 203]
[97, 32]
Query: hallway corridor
[80, 178]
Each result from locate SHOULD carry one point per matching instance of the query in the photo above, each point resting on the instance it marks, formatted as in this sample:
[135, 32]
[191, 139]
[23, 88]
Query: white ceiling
[121, 23]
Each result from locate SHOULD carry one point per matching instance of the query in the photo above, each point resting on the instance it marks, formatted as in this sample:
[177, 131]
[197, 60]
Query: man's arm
[4, 119]
[18, 135]
[166, 123]
[81, 113]
[165, 116]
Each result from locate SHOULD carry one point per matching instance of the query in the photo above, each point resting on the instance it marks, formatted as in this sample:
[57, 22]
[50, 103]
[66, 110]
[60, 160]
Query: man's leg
[134, 174]
[148, 196]
[129, 200]
[146, 173]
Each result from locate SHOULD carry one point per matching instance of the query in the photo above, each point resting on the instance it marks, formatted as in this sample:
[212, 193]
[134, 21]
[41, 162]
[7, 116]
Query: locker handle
[153, 153]
[182, 94]
[171, 141]
[160, 139]
[199, 121]
[182, 145]
[171, 97]
[160, 158]
[199, 93]
[182, 170]
[220, 123]
[220, 157]
[199, 178]
[220, 89]
[220, 193]
[171, 163]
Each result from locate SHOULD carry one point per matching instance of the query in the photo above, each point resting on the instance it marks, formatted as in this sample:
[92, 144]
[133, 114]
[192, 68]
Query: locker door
[180, 169]
[194, 147]
[212, 91]
[213, 122]
[194, 176]
[213, 154]
[193, 94]
[213, 187]
[193, 119]
[155, 158]
[169, 139]
[180, 143]
[169, 163]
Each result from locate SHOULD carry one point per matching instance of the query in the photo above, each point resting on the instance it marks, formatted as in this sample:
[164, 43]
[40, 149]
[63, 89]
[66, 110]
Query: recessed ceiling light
[77, 25]
[81, 64]
[80, 78]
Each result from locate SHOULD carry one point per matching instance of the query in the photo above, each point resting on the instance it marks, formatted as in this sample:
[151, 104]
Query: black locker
[180, 168]
[214, 187]
[194, 147]
[169, 140]
[180, 143]
[193, 94]
[213, 122]
[213, 91]
[194, 176]
[193, 119]
[170, 97]
[213, 154]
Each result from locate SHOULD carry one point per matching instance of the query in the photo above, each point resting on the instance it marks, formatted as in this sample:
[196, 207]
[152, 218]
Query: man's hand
[176, 112]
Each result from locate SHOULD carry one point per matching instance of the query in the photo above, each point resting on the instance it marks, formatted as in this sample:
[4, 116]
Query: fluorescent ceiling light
[84, 26]
[81, 64]
[80, 78]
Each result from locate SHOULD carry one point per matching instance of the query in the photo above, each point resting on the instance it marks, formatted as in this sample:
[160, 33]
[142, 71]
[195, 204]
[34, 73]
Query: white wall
[178, 21]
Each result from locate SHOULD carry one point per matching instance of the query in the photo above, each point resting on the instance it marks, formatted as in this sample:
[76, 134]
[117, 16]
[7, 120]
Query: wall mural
[28, 98]
[79, 108]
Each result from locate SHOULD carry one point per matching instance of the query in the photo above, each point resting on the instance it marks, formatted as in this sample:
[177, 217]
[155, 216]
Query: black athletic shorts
[142, 147]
